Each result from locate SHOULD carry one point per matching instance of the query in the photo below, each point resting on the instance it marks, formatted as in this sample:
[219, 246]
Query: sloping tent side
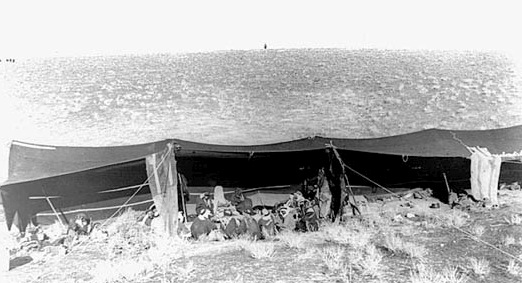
[92, 176]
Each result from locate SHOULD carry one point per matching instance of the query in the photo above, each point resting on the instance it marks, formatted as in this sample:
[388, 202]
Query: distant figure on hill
[266, 46]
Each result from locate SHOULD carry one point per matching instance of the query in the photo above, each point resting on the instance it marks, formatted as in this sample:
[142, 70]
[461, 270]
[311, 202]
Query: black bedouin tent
[75, 176]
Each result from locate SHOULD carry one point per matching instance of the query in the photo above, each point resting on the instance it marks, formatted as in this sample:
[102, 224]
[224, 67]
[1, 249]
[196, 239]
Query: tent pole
[169, 197]
[54, 210]
[447, 185]
[182, 186]
[353, 205]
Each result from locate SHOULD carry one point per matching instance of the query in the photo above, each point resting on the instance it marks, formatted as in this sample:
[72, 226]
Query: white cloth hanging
[485, 172]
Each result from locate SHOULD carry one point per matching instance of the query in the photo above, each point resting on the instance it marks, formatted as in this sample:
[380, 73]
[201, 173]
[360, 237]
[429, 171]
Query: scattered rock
[398, 218]
[410, 215]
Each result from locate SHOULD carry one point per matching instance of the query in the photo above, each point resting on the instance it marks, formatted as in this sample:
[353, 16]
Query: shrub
[165, 249]
[292, 239]
[127, 236]
[352, 233]
[478, 230]
[370, 264]
[396, 245]
[508, 240]
[333, 257]
[414, 250]
[479, 266]
[456, 218]
[424, 274]
[393, 243]
[514, 219]
[514, 268]
[310, 253]
[259, 250]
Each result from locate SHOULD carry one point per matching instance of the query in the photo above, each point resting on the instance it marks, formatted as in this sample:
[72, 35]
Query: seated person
[202, 226]
[267, 223]
[204, 201]
[252, 227]
[233, 226]
[220, 203]
[241, 202]
[150, 214]
[81, 225]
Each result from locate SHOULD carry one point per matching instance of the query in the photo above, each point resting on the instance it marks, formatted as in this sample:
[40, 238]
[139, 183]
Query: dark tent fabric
[77, 175]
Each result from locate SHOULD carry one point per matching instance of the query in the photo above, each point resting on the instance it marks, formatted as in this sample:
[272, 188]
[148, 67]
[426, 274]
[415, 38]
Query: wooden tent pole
[54, 210]
[182, 186]
[350, 191]
[169, 197]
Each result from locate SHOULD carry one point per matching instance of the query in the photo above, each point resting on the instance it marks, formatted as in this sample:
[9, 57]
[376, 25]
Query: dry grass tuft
[479, 266]
[127, 236]
[309, 253]
[292, 239]
[514, 219]
[183, 273]
[508, 240]
[393, 243]
[415, 250]
[333, 257]
[478, 230]
[370, 264]
[424, 274]
[514, 268]
[166, 249]
[456, 218]
[398, 246]
[352, 233]
[258, 250]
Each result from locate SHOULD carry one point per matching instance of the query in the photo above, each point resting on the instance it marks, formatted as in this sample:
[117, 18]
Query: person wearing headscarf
[220, 203]
[202, 226]
[267, 223]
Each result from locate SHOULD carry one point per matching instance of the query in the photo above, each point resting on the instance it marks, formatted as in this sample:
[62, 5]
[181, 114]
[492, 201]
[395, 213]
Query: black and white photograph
[260, 141]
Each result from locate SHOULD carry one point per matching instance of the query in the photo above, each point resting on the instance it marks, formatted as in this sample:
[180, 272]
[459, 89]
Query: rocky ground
[396, 240]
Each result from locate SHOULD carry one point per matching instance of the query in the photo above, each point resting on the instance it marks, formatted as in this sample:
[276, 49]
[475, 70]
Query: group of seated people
[219, 218]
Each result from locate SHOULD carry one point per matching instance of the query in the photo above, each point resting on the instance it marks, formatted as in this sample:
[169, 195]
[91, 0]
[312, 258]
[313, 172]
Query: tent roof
[31, 161]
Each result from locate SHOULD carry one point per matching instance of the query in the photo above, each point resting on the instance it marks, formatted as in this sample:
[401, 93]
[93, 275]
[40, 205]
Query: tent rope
[169, 151]
[461, 142]
[360, 174]
[478, 240]
[81, 242]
